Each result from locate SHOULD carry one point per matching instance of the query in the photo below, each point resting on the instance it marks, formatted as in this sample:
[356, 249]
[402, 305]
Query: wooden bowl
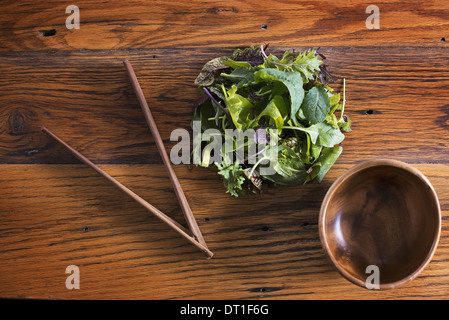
[383, 213]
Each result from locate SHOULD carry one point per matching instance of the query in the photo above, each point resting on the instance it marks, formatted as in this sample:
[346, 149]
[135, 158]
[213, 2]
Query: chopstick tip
[209, 254]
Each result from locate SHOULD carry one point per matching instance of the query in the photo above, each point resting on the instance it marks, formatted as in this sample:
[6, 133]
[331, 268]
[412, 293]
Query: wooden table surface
[56, 212]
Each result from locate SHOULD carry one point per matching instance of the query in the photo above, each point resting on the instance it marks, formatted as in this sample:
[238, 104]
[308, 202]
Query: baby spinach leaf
[291, 80]
[328, 136]
[327, 159]
[241, 76]
[316, 105]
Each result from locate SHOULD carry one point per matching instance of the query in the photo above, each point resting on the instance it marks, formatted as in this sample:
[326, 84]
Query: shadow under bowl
[382, 213]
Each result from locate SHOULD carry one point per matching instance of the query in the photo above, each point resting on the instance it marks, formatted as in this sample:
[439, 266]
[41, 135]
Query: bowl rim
[350, 172]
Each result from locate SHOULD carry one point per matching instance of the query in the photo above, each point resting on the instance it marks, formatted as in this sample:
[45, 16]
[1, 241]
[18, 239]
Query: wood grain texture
[396, 98]
[261, 250]
[28, 25]
[55, 211]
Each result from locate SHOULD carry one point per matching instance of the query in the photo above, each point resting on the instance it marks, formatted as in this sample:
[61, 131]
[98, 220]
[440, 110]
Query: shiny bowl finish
[383, 213]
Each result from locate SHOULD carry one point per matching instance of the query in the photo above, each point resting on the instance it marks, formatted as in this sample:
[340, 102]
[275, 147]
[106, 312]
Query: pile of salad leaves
[253, 90]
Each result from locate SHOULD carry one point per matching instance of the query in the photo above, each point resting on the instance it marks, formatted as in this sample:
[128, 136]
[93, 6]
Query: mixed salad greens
[289, 96]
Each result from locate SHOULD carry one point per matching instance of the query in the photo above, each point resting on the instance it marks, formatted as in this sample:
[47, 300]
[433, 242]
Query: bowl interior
[383, 215]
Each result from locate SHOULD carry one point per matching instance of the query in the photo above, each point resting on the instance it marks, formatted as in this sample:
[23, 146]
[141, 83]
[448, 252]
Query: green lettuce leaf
[327, 159]
[291, 80]
[290, 170]
[242, 76]
[239, 107]
[273, 110]
[316, 105]
[237, 64]
[328, 136]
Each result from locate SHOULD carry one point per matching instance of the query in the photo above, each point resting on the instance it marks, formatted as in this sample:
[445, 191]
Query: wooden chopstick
[172, 223]
[193, 226]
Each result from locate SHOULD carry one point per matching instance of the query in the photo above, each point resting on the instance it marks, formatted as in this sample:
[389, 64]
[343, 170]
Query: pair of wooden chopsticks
[194, 236]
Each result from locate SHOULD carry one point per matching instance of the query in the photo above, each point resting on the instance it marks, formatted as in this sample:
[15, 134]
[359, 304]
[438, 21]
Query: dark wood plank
[55, 212]
[396, 98]
[266, 246]
[28, 25]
